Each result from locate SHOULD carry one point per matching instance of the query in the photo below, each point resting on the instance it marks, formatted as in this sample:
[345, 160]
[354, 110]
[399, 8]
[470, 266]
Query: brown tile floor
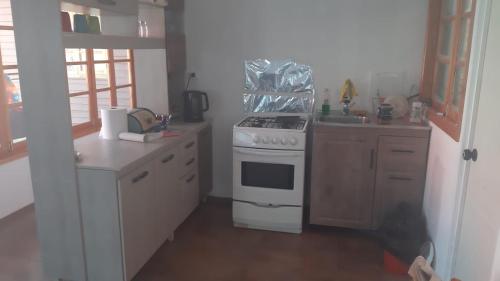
[207, 247]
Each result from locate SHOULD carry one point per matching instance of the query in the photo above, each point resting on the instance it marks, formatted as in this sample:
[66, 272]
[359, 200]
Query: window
[444, 79]
[98, 78]
[12, 124]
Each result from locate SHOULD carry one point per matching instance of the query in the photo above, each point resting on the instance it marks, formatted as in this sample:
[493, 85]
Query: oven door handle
[280, 153]
[265, 205]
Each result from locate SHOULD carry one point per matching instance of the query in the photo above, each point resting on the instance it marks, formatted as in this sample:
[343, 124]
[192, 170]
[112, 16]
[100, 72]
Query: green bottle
[325, 108]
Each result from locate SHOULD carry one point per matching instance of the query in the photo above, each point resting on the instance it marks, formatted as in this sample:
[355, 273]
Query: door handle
[140, 177]
[168, 159]
[265, 205]
[190, 162]
[400, 178]
[372, 158]
[189, 145]
[191, 178]
[470, 155]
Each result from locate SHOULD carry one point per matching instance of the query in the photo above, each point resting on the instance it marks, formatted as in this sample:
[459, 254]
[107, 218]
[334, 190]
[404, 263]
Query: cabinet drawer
[402, 153]
[188, 159]
[189, 147]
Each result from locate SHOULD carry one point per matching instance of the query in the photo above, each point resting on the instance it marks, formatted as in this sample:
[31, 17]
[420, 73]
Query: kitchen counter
[402, 123]
[123, 156]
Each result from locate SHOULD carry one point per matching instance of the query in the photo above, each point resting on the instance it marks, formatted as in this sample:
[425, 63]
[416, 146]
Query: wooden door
[401, 168]
[137, 212]
[478, 253]
[343, 173]
[167, 193]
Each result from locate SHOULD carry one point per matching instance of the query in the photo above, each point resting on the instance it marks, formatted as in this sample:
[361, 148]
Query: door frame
[475, 75]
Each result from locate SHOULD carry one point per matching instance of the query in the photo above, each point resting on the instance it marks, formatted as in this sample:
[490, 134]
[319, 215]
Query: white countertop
[122, 156]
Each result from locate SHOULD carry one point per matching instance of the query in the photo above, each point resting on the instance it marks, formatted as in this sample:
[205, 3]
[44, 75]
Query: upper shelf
[98, 41]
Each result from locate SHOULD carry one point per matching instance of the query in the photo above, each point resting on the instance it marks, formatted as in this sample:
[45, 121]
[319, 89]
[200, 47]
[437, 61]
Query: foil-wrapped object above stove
[281, 86]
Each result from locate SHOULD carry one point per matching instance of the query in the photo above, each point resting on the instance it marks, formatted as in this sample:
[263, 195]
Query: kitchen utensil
[194, 107]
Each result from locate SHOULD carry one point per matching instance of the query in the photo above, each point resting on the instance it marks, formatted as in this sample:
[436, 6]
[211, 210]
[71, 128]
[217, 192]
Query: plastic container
[394, 265]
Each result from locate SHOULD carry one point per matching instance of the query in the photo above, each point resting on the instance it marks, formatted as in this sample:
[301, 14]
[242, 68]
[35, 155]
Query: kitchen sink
[344, 119]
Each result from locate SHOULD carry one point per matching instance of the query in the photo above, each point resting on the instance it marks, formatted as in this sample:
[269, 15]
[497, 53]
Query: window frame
[444, 113]
[18, 150]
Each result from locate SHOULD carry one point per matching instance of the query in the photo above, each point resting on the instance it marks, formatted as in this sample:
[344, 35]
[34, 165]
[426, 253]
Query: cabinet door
[401, 169]
[343, 175]
[167, 193]
[205, 161]
[190, 193]
[137, 211]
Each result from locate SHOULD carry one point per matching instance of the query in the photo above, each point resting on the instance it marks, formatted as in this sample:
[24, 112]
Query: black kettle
[194, 106]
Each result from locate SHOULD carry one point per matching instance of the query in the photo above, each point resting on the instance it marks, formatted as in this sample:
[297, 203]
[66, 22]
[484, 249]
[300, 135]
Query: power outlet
[192, 75]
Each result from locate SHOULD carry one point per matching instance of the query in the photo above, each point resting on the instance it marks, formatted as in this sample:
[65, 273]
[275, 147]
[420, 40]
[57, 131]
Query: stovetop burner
[279, 122]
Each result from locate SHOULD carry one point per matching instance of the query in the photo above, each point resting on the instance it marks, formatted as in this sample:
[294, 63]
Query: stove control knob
[275, 140]
[293, 141]
[284, 141]
[265, 140]
[256, 139]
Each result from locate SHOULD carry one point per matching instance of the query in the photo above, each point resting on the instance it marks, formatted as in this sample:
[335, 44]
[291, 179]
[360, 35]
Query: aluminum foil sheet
[278, 86]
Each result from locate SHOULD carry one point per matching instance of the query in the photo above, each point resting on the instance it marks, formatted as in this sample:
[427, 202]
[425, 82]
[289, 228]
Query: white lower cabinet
[128, 217]
[137, 213]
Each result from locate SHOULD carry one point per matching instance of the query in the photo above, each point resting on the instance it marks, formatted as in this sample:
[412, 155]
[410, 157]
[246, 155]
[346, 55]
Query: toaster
[142, 120]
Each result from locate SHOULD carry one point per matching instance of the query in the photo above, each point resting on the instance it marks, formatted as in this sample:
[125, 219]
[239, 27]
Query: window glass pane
[458, 86]
[8, 47]
[120, 54]
[80, 111]
[441, 81]
[445, 38]
[122, 73]
[12, 85]
[463, 45]
[449, 7]
[467, 4]
[103, 101]
[100, 54]
[77, 78]
[102, 75]
[124, 97]
[17, 124]
[5, 13]
[76, 55]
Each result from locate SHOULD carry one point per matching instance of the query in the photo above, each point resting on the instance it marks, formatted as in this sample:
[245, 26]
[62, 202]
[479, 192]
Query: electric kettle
[194, 105]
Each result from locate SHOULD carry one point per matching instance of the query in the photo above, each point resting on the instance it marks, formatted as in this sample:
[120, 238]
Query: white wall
[151, 79]
[441, 194]
[15, 188]
[339, 38]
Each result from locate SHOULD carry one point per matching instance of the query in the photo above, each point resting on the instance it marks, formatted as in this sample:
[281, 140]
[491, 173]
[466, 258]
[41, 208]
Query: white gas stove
[268, 172]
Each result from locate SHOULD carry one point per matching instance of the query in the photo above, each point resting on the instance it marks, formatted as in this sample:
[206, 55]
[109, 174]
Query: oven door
[268, 177]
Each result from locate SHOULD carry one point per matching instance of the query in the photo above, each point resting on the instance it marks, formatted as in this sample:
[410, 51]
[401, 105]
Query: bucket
[393, 265]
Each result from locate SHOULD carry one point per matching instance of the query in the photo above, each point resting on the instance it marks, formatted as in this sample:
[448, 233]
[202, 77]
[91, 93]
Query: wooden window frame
[443, 113]
[19, 150]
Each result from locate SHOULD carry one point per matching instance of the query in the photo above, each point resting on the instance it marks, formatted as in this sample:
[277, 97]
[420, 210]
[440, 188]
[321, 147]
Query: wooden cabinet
[117, 6]
[360, 174]
[343, 173]
[139, 228]
[401, 168]
[205, 161]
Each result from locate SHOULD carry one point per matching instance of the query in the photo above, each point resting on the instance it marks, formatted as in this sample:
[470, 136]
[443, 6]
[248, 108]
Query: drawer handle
[168, 159]
[190, 162]
[140, 177]
[107, 2]
[402, 151]
[189, 145]
[400, 178]
[191, 178]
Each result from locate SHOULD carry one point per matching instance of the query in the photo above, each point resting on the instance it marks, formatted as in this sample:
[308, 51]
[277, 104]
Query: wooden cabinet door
[401, 169]
[167, 193]
[343, 174]
[205, 161]
[190, 192]
[137, 212]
